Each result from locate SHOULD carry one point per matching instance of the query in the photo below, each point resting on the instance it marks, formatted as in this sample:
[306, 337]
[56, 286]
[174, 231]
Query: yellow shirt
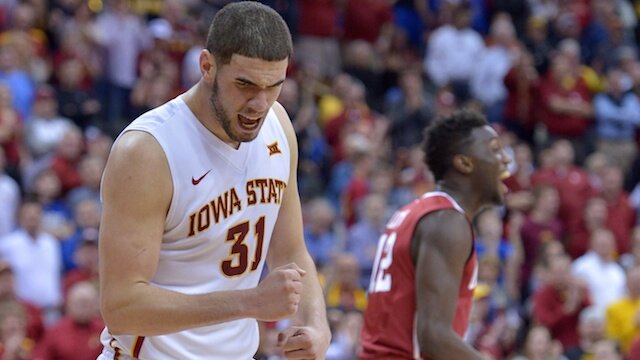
[621, 324]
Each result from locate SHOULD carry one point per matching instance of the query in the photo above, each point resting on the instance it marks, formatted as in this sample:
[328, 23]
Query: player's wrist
[249, 303]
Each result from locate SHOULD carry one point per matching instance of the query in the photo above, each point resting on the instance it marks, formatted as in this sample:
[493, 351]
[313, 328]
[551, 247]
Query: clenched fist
[278, 295]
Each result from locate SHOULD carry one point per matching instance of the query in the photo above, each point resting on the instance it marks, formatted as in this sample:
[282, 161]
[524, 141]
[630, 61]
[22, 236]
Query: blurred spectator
[190, 70]
[621, 215]
[30, 41]
[343, 289]
[362, 62]
[77, 335]
[571, 181]
[492, 327]
[591, 330]
[345, 336]
[570, 50]
[595, 164]
[453, 51]
[409, 108]
[604, 277]
[558, 303]
[487, 79]
[90, 169]
[20, 84]
[490, 243]
[56, 216]
[356, 117]
[617, 113]
[367, 20]
[319, 216]
[537, 41]
[632, 258]
[540, 226]
[606, 349]
[34, 257]
[362, 239]
[312, 147]
[566, 104]
[11, 131]
[75, 101]
[86, 216]
[622, 318]
[14, 343]
[86, 260]
[520, 196]
[540, 346]
[594, 217]
[123, 35]
[9, 199]
[317, 46]
[32, 313]
[45, 129]
[521, 84]
[158, 79]
[357, 188]
[397, 55]
[356, 148]
[66, 157]
[413, 177]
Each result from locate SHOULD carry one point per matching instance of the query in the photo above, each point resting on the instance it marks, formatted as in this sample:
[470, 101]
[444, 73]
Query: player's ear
[463, 163]
[207, 66]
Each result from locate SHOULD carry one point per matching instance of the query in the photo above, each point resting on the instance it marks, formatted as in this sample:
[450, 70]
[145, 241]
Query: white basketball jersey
[217, 232]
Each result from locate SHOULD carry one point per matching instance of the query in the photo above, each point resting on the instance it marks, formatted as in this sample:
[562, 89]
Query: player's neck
[462, 197]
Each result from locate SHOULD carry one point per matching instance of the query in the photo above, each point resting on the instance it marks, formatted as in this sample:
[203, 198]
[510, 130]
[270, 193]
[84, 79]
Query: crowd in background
[559, 264]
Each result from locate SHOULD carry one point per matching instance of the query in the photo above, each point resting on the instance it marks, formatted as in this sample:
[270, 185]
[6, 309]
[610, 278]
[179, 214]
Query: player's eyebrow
[251, 83]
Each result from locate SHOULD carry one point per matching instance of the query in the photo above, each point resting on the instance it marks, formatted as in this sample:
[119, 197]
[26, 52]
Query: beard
[223, 117]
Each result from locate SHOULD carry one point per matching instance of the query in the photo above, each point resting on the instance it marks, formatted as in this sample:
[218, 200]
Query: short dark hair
[249, 29]
[444, 138]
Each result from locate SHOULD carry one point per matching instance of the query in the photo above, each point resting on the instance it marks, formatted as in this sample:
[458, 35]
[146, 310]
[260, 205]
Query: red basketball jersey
[390, 320]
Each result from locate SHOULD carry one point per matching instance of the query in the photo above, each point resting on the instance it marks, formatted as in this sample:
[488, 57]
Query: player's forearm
[312, 309]
[147, 310]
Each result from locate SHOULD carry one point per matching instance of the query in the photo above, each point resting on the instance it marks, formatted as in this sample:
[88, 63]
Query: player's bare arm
[309, 336]
[440, 248]
[137, 191]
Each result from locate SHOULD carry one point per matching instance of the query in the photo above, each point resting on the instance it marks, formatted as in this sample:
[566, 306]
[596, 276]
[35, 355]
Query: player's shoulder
[286, 125]
[282, 117]
[435, 200]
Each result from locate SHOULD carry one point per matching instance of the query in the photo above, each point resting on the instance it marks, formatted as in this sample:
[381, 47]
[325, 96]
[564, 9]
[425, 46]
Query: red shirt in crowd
[318, 18]
[562, 124]
[533, 235]
[69, 340]
[363, 19]
[548, 311]
[620, 220]
[574, 189]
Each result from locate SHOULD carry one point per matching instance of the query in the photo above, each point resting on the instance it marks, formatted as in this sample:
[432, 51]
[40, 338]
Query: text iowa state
[258, 191]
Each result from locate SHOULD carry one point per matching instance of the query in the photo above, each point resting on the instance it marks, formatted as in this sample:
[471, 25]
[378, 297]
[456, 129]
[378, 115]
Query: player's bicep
[442, 244]
[136, 192]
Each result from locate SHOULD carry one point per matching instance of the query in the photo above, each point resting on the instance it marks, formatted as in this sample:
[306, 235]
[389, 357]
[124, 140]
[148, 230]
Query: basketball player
[199, 194]
[425, 270]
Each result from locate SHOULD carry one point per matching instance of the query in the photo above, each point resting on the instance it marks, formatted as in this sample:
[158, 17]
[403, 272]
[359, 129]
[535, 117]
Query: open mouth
[249, 124]
[505, 174]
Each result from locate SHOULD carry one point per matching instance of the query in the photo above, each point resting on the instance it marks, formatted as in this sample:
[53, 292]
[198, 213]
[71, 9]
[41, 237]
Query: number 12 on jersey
[380, 278]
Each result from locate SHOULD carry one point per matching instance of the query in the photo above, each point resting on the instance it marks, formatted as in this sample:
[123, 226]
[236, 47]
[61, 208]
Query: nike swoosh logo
[197, 181]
